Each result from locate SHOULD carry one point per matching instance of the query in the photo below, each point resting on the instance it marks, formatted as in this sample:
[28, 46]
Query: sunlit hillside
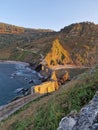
[79, 42]
[58, 55]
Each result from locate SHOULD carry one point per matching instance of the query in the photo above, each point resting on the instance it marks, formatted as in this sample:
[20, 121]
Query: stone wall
[46, 87]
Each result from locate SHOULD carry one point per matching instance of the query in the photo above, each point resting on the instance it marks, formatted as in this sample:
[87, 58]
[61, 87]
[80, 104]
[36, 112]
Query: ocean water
[14, 76]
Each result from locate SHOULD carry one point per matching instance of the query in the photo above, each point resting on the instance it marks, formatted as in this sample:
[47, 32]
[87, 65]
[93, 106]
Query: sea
[13, 77]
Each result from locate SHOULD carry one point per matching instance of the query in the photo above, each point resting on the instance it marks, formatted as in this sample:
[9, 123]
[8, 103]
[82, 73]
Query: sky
[48, 14]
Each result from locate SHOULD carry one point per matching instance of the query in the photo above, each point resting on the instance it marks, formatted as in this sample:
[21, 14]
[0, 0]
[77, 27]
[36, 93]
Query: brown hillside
[12, 29]
[80, 41]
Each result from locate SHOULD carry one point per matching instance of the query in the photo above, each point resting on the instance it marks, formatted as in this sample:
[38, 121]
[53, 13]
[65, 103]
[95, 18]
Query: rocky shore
[16, 80]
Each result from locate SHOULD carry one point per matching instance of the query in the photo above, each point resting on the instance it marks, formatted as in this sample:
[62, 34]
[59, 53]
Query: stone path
[12, 107]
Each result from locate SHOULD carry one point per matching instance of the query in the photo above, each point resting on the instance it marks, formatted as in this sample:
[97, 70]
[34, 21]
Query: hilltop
[12, 29]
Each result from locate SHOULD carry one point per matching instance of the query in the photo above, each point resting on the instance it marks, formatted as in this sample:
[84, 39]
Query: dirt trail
[57, 67]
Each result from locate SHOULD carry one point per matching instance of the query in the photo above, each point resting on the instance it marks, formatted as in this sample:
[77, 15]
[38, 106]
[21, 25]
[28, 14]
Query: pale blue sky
[48, 14]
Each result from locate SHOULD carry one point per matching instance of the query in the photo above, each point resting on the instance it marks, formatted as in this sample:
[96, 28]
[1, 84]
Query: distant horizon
[47, 28]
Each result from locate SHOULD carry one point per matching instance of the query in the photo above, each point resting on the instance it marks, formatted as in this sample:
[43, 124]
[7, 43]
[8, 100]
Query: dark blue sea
[14, 76]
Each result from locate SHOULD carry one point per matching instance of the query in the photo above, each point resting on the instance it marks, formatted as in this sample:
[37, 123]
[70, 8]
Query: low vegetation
[46, 112]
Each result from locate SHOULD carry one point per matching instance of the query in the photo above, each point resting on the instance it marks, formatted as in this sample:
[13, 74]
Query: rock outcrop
[86, 119]
[57, 55]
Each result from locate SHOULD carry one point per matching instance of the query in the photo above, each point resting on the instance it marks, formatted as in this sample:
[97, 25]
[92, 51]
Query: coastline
[36, 79]
[14, 62]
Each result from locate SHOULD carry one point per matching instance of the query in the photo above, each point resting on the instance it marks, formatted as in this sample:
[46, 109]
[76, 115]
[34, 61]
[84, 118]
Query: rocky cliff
[58, 55]
[86, 119]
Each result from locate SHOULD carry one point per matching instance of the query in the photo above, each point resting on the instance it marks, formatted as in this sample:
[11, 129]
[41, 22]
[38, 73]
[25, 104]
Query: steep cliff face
[57, 55]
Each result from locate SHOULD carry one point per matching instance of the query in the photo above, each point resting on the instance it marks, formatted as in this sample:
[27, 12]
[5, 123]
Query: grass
[46, 112]
[4, 54]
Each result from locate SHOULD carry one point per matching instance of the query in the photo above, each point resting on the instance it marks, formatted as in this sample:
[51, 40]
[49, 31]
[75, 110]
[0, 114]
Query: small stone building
[46, 87]
[51, 85]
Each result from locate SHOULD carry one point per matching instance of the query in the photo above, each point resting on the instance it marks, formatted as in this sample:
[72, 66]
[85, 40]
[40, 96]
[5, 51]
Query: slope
[46, 112]
[80, 40]
[19, 43]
